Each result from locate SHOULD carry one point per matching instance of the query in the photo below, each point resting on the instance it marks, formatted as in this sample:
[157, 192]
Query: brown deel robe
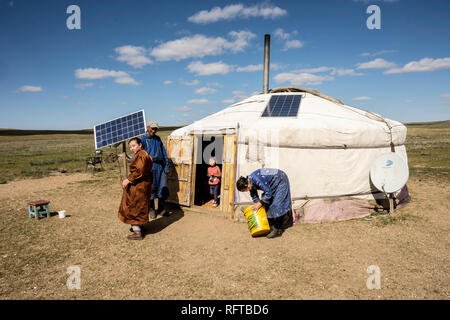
[135, 203]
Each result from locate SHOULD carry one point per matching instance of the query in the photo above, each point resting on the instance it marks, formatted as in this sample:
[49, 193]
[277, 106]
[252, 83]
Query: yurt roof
[317, 112]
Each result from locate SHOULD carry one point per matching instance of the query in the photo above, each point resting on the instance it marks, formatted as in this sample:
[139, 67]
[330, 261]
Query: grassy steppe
[36, 156]
[428, 147]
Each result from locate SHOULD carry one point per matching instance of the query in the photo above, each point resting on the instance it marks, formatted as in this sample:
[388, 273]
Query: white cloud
[285, 36]
[214, 84]
[238, 93]
[348, 72]
[332, 70]
[367, 1]
[84, 85]
[198, 101]
[292, 44]
[229, 101]
[309, 76]
[378, 53]
[168, 82]
[257, 67]
[29, 89]
[134, 56]
[95, 73]
[301, 78]
[378, 63]
[409, 100]
[362, 98]
[250, 68]
[276, 66]
[127, 80]
[318, 70]
[184, 108]
[234, 11]
[199, 46]
[445, 95]
[425, 64]
[190, 83]
[205, 90]
[237, 96]
[280, 34]
[240, 41]
[207, 69]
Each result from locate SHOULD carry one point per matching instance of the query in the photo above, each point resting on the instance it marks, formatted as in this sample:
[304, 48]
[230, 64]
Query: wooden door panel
[180, 152]
[228, 174]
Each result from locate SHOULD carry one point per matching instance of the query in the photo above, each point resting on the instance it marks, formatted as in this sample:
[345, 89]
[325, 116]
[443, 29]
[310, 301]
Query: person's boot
[275, 232]
[152, 212]
[135, 236]
[162, 211]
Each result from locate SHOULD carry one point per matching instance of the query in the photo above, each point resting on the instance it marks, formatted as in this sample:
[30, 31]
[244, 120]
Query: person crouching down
[137, 189]
[214, 175]
[276, 197]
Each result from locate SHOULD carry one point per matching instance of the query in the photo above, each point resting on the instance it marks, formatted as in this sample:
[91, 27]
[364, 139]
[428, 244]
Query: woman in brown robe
[137, 190]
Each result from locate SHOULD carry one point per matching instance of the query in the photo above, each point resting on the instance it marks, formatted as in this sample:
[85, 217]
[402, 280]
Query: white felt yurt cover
[326, 150]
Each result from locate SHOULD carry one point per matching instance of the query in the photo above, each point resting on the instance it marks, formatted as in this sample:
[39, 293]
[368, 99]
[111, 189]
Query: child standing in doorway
[214, 175]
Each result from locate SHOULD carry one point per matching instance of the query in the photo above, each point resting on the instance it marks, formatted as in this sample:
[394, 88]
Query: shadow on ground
[157, 225]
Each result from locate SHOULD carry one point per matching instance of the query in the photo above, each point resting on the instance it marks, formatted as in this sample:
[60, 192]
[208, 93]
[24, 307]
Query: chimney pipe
[266, 63]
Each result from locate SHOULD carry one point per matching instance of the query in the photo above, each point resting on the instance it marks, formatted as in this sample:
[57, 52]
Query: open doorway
[207, 146]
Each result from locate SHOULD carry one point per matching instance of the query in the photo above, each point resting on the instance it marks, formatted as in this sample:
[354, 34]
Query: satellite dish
[389, 172]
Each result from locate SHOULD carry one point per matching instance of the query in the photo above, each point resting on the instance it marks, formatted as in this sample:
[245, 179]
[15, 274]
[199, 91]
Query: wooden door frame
[194, 170]
[225, 212]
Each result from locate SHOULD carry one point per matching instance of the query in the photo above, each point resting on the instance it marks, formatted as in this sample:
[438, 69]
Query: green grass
[383, 220]
[428, 148]
[36, 156]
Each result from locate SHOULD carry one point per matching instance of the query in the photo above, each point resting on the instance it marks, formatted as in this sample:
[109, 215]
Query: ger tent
[325, 146]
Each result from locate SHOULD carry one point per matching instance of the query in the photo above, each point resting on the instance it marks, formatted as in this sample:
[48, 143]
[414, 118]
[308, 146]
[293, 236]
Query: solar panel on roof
[282, 105]
[120, 129]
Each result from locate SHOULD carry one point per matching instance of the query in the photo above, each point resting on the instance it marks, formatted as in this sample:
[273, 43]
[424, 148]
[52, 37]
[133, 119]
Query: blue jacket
[155, 149]
[274, 184]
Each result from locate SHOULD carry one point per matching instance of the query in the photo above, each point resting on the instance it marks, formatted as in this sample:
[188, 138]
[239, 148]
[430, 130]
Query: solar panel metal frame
[273, 109]
[136, 132]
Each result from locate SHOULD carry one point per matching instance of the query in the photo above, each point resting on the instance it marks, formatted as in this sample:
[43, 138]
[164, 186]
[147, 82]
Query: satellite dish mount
[389, 174]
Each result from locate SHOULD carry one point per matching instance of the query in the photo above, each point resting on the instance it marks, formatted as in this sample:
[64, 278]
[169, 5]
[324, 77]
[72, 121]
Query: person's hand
[125, 183]
[256, 206]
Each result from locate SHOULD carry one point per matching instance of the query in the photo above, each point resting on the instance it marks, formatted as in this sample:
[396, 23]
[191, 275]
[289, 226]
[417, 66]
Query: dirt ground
[192, 255]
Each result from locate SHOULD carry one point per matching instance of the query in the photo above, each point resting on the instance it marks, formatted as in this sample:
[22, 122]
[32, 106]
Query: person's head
[243, 184]
[152, 128]
[135, 145]
[212, 161]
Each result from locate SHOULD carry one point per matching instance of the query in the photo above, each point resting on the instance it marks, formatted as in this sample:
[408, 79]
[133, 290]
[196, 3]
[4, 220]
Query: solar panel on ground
[120, 129]
[282, 106]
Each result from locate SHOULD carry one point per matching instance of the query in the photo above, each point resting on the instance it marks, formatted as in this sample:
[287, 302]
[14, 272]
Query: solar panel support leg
[391, 203]
[124, 157]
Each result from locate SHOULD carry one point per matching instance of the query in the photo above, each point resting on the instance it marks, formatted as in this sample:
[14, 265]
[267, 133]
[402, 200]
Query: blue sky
[183, 60]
